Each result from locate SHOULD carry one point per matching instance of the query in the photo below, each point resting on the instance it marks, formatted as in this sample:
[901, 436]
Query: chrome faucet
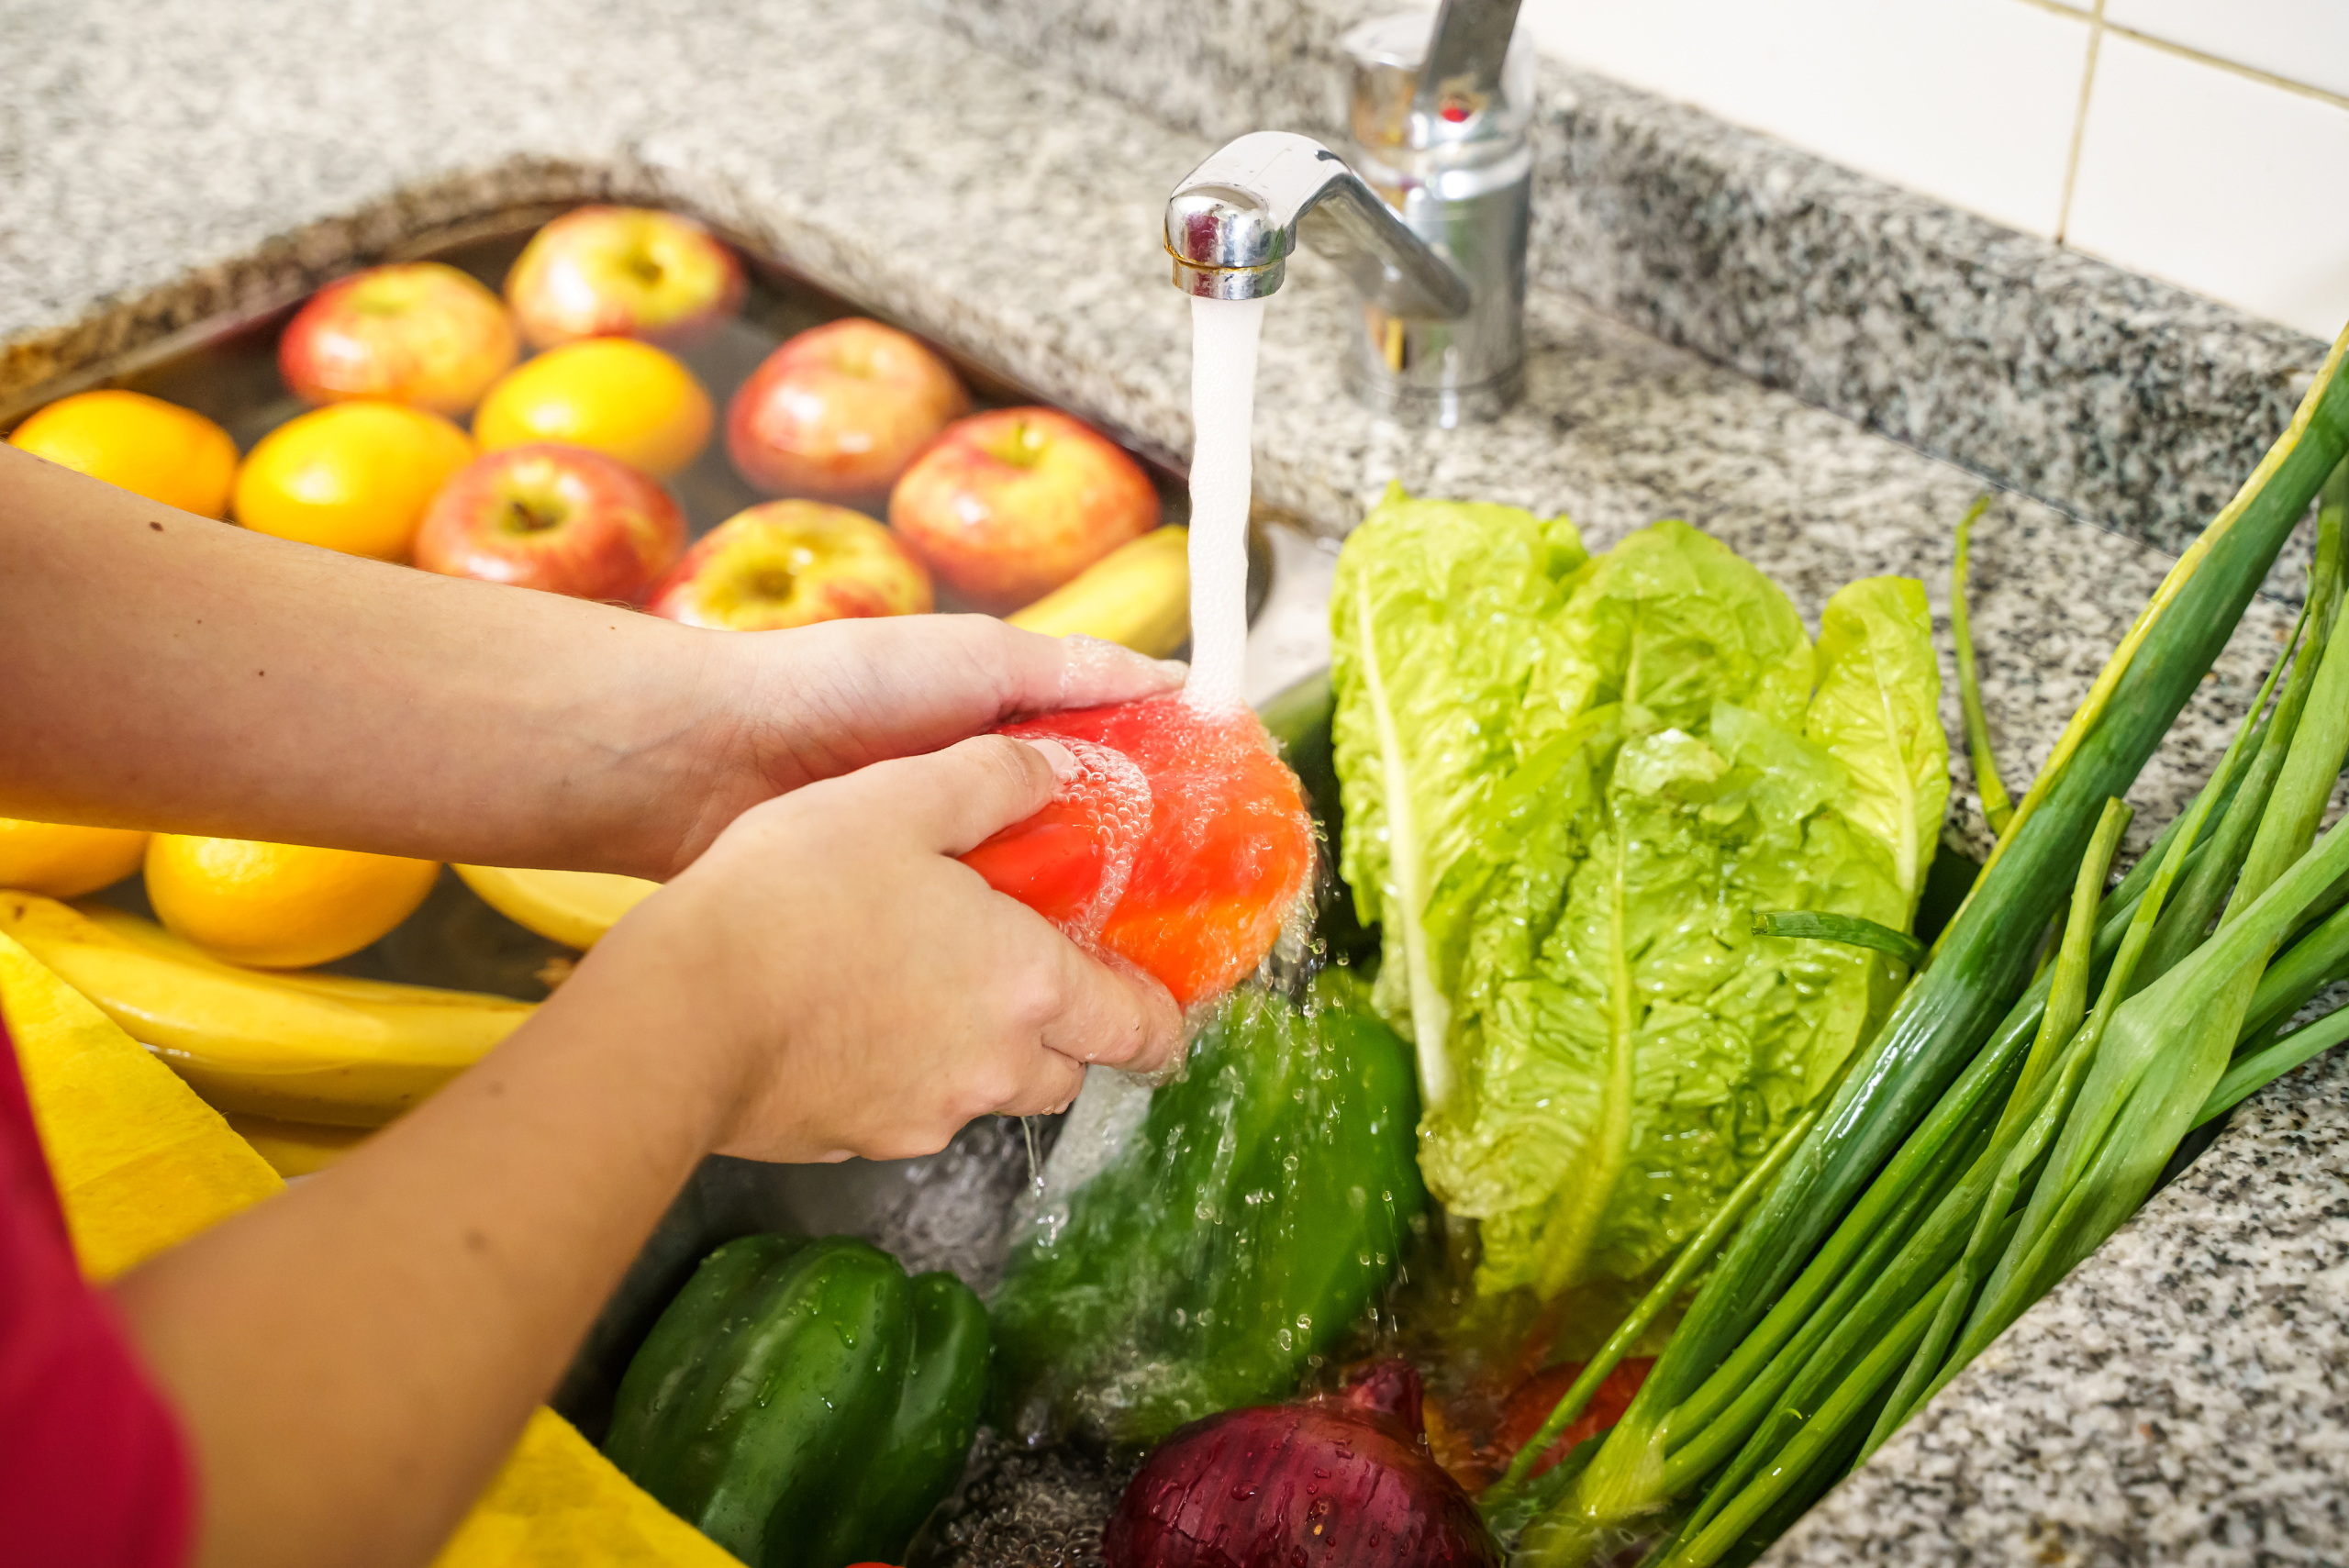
[1431, 230]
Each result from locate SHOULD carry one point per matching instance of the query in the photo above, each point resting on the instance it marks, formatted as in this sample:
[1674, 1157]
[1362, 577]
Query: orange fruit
[280, 906]
[615, 395]
[57, 859]
[351, 476]
[145, 445]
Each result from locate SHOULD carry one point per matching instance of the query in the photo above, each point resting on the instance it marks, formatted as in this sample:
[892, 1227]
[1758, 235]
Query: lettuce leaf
[1659, 753]
[1876, 711]
[1437, 626]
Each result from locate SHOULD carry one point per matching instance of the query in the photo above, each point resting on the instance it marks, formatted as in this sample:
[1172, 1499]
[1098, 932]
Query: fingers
[1048, 1086]
[952, 801]
[1047, 673]
[1112, 1013]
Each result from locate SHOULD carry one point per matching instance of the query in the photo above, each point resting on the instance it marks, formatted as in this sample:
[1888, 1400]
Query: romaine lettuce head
[1590, 829]
[1442, 613]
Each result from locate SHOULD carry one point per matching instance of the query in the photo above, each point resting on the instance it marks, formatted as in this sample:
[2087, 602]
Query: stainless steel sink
[949, 1210]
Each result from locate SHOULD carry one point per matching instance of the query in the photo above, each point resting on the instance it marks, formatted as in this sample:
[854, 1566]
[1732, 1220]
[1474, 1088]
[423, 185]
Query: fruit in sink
[351, 476]
[416, 332]
[623, 271]
[567, 519]
[296, 1148]
[573, 908]
[1007, 506]
[1182, 844]
[837, 412]
[785, 564]
[143, 444]
[280, 906]
[615, 394]
[64, 860]
[1138, 596]
[303, 1047]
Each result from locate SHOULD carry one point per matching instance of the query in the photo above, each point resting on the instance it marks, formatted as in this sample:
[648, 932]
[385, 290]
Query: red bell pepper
[1181, 844]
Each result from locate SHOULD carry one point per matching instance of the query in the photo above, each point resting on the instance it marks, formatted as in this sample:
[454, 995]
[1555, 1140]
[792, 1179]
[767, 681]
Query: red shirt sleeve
[93, 1470]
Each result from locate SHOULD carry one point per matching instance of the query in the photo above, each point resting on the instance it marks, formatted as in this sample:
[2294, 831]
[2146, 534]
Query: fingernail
[1172, 669]
[1058, 758]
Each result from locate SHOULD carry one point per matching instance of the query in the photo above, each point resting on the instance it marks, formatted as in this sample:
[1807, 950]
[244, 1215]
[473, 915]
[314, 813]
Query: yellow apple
[623, 271]
[417, 332]
[785, 564]
[839, 411]
[1007, 506]
[567, 519]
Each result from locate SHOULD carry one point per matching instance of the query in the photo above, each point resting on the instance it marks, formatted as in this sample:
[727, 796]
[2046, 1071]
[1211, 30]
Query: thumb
[956, 799]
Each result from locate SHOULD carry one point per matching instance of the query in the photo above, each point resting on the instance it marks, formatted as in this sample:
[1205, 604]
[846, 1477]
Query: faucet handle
[1466, 53]
[1233, 222]
[1445, 92]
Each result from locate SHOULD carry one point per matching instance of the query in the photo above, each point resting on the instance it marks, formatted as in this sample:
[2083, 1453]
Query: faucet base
[1440, 407]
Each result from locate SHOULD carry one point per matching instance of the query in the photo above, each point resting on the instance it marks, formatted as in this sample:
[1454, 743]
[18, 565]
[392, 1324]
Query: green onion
[1692, 1257]
[1996, 809]
[2068, 994]
[1853, 930]
[2253, 1072]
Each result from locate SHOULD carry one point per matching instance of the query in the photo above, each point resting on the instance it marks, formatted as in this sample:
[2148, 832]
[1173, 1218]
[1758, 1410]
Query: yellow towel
[141, 1163]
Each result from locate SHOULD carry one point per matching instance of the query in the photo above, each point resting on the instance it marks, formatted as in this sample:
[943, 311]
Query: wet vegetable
[1342, 1480]
[1252, 1216]
[1182, 844]
[1569, 781]
[803, 1403]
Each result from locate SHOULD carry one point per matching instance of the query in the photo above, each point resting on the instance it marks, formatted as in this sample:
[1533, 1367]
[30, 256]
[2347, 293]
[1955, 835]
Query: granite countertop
[2181, 1397]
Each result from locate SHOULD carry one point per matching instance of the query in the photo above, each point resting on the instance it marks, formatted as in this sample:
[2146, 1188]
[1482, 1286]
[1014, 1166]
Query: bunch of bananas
[293, 1047]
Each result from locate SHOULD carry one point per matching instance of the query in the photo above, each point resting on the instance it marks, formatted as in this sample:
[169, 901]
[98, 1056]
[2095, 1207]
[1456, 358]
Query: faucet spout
[1233, 222]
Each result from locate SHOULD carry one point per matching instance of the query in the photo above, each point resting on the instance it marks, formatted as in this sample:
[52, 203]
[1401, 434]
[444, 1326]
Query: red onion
[1344, 1481]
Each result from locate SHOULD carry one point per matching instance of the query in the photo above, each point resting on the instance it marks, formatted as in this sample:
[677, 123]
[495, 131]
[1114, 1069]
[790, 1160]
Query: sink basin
[949, 1210]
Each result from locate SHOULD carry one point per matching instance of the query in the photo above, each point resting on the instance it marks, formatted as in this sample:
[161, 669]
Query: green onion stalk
[1997, 1127]
[1997, 810]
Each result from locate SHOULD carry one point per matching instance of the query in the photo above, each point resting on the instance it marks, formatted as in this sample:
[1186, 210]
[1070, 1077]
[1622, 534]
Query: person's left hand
[788, 708]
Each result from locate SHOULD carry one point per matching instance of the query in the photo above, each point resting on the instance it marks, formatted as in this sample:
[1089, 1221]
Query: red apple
[1007, 506]
[785, 564]
[623, 271]
[416, 332]
[839, 410]
[568, 519]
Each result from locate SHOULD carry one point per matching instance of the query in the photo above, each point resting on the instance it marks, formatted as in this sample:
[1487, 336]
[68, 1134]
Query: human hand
[861, 991]
[792, 707]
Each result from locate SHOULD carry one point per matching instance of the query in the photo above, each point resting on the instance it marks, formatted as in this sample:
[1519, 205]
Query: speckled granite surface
[2184, 1398]
[162, 161]
[2112, 396]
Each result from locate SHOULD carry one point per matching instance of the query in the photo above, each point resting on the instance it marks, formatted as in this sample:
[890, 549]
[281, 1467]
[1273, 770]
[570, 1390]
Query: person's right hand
[865, 993]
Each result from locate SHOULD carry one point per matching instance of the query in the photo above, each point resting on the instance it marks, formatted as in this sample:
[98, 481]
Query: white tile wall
[2259, 215]
[2299, 41]
[2204, 142]
[1972, 100]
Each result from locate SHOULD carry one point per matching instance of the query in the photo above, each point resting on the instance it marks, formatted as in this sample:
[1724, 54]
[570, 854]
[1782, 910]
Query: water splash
[1035, 1166]
[1224, 337]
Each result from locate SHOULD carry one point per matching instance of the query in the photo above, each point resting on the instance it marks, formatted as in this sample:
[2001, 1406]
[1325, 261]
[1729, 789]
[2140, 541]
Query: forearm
[354, 1359]
[161, 670]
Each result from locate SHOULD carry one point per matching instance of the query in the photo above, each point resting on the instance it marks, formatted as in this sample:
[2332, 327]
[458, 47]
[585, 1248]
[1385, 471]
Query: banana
[302, 1048]
[573, 908]
[294, 1148]
[1138, 594]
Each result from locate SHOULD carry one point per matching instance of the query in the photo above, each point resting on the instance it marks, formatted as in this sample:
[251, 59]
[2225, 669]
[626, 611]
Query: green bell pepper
[803, 1403]
[1257, 1213]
